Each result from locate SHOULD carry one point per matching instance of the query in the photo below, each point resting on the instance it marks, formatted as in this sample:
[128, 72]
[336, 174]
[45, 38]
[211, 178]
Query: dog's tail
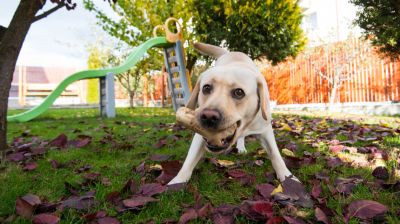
[211, 50]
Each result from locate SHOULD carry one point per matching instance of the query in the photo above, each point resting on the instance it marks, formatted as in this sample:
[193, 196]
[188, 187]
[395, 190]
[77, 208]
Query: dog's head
[229, 96]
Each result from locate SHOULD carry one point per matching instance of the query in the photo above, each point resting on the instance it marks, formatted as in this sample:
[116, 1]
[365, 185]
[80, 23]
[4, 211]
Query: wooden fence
[367, 77]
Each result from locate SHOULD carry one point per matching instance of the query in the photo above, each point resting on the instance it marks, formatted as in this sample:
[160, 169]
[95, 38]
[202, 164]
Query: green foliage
[268, 29]
[97, 59]
[380, 20]
[259, 28]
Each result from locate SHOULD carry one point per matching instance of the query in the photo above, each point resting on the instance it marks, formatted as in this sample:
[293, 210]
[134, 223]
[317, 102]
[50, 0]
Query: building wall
[328, 20]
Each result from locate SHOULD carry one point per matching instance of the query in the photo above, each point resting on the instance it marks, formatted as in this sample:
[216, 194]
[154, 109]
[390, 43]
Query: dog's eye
[207, 89]
[238, 93]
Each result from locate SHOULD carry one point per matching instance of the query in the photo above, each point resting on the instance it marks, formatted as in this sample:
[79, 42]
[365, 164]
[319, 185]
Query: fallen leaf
[108, 220]
[15, 157]
[45, 218]
[275, 220]
[264, 208]
[241, 176]
[151, 189]
[130, 186]
[265, 190]
[287, 152]
[187, 216]
[316, 190]
[222, 163]
[296, 192]
[60, 141]
[381, 173]
[81, 141]
[82, 203]
[138, 201]
[320, 216]
[278, 189]
[365, 209]
[30, 166]
[333, 162]
[159, 157]
[224, 214]
[25, 206]
[161, 143]
[293, 220]
[169, 170]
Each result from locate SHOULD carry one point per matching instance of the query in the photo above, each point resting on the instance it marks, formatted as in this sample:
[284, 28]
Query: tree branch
[2, 32]
[325, 77]
[48, 12]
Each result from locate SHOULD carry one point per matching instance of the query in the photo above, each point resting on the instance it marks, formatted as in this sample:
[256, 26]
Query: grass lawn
[118, 146]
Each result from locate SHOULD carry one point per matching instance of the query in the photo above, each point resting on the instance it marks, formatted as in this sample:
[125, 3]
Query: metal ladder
[177, 80]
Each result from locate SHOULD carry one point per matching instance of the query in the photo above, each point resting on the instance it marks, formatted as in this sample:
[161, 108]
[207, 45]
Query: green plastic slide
[131, 60]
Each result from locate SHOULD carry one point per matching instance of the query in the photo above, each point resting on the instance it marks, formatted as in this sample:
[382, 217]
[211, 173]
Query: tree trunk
[131, 96]
[332, 98]
[10, 46]
[191, 61]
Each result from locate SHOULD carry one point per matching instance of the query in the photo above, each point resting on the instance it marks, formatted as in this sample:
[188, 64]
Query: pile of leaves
[334, 144]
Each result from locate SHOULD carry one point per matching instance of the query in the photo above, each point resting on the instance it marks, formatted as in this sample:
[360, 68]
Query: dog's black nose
[210, 118]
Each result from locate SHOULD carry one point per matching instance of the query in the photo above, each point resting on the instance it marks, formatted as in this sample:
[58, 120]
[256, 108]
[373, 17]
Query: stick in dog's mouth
[216, 141]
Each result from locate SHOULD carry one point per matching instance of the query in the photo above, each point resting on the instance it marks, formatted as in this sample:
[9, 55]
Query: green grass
[136, 131]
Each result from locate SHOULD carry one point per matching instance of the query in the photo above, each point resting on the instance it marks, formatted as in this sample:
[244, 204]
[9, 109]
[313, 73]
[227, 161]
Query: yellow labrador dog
[231, 95]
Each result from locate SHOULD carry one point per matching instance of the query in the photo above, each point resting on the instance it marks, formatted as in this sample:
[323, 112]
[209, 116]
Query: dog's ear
[263, 96]
[192, 103]
[208, 49]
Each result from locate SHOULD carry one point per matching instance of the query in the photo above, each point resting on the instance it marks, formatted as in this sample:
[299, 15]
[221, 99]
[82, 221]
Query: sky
[61, 39]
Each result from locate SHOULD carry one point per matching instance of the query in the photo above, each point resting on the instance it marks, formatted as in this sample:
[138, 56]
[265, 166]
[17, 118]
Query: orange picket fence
[370, 77]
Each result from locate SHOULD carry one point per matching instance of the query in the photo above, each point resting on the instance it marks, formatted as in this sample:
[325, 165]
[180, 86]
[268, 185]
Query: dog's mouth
[223, 140]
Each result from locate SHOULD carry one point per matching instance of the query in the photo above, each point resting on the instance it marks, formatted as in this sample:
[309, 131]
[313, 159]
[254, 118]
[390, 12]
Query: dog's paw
[178, 180]
[242, 150]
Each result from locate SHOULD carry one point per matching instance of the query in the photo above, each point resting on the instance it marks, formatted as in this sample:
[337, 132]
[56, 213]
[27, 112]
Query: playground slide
[131, 60]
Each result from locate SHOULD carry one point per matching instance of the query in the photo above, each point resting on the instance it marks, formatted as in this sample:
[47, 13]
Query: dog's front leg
[196, 152]
[268, 141]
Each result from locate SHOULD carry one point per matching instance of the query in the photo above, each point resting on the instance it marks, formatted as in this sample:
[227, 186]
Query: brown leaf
[79, 202]
[81, 141]
[224, 214]
[93, 216]
[365, 209]
[275, 220]
[293, 220]
[151, 189]
[30, 166]
[187, 216]
[321, 216]
[241, 176]
[60, 141]
[26, 205]
[316, 190]
[265, 190]
[381, 173]
[159, 157]
[247, 209]
[138, 201]
[15, 157]
[108, 220]
[161, 143]
[169, 170]
[46, 218]
[296, 192]
[130, 186]
[264, 208]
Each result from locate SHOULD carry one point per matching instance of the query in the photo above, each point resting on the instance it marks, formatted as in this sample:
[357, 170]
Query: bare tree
[11, 40]
[340, 56]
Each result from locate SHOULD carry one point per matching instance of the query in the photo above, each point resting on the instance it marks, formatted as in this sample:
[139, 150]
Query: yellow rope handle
[171, 37]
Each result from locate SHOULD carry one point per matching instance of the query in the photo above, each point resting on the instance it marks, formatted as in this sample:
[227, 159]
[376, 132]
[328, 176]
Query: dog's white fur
[233, 70]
